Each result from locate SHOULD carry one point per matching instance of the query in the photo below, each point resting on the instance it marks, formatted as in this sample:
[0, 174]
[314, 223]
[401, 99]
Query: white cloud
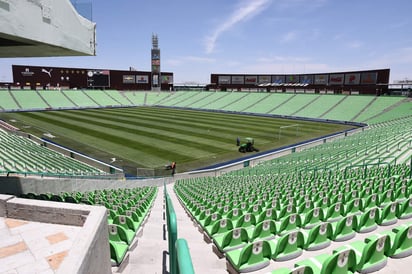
[293, 59]
[354, 44]
[289, 37]
[245, 11]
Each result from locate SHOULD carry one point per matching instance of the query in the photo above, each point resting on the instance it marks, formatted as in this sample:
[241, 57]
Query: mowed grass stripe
[147, 134]
[190, 135]
[113, 136]
[265, 131]
[120, 150]
[220, 126]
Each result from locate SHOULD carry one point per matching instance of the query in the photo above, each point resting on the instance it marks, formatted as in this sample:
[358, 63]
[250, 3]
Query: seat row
[359, 256]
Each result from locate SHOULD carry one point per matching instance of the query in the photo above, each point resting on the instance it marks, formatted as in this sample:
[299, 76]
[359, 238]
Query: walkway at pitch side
[151, 254]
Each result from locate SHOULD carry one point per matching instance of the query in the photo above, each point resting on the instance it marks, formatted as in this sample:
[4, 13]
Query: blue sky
[198, 38]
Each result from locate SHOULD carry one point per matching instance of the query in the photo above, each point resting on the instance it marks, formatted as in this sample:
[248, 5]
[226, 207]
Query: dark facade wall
[41, 77]
[376, 87]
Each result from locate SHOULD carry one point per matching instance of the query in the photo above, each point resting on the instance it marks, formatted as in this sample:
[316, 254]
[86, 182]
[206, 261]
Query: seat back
[342, 262]
[264, 230]
[402, 244]
[288, 246]
[373, 255]
[319, 236]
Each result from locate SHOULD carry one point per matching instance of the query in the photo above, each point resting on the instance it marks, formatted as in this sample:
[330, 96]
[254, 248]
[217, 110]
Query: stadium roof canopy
[39, 28]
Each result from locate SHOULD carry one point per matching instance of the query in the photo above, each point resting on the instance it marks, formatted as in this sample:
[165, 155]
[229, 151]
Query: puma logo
[47, 72]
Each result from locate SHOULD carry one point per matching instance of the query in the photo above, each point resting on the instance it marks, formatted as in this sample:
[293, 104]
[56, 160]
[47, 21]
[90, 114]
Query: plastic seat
[210, 220]
[247, 221]
[371, 201]
[117, 252]
[221, 226]
[312, 218]
[288, 246]
[236, 238]
[344, 229]
[318, 237]
[127, 224]
[401, 241]
[368, 221]
[252, 257]
[405, 209]
[234, 214]
[265, 230]
[136, 220]
[354, 206]
[289, 223]
[118, 244]
[304, 269]
[334, 212]
[388, 214]
[268, 214]
[370, 254]
[386, 197]
[341, 262]
[286, 210]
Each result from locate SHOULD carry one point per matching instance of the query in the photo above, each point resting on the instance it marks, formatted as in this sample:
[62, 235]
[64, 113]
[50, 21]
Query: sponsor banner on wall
[336, 79]
[251, 79]
[129, 79]
[237, 79]
[306, 79]
[291, 79]
[224, 79]
[167, 79]
[368, 78]
[278, 79]
[352, 78]
[321, 79]
[142, 79]
[264, 79]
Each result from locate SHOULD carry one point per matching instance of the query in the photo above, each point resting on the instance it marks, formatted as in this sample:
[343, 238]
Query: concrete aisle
[149, 256]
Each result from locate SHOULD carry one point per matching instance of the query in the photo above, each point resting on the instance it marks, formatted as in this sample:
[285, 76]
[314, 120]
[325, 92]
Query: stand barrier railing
[180, 261]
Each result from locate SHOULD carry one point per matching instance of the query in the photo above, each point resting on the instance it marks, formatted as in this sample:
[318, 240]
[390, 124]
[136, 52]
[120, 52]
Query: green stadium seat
[247, 221]
[401, 241]
[289, 223]
[234, 239]
[388, 214]
[334, 212]
[341, 262]
[127, 224]
[118, 244]
[370, 254]
[405, 209]
[317, 237]
[288, 246]
[265, 230]
[268, 214]
[344, 229]
[295, 270]
[368, 221]
[136, 220]
[221, 226]
[252, 257]
[312, 218]
[353, 207]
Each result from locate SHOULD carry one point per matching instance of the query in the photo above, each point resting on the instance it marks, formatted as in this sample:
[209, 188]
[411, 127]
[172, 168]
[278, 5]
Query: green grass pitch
[151, 137]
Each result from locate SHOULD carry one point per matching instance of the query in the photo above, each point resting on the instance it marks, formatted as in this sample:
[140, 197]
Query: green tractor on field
[247, 145]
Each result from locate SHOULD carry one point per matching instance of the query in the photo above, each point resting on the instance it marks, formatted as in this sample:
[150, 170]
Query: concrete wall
[90, 251]
[54, 27]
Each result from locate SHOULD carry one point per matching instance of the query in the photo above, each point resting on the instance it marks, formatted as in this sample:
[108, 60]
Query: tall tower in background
[156, 80]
